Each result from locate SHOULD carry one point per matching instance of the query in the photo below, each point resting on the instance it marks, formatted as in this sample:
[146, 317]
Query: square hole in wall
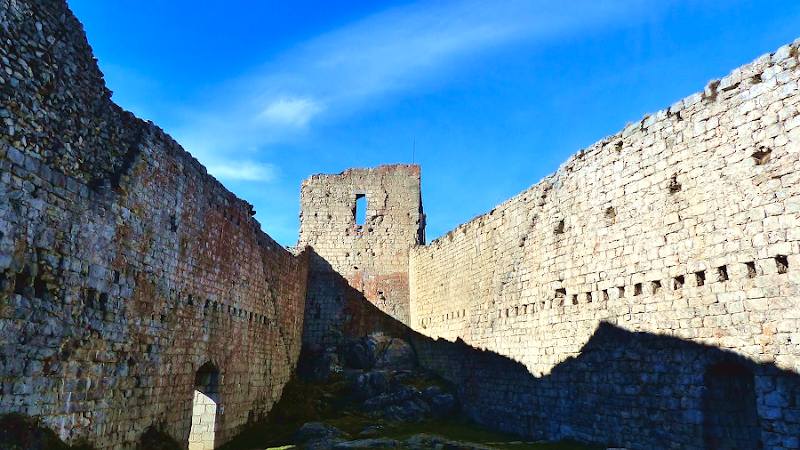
[39, 286]
[656, 286]
[762, 155]
[91, 296]
[700, 277]
[611, 215]
[782, 263]
[621, 291]
[751, 269]
[722, 273]
[674, 186]
[677, 282]
[22, 280]
[559, 228]
[637, 289]
[605, 295]
[589, 298]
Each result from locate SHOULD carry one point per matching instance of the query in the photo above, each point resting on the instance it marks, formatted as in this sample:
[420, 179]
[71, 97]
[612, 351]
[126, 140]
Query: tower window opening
[360, 212]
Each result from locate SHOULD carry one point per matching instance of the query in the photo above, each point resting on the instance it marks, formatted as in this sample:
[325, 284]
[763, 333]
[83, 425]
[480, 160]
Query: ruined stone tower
[351, 259]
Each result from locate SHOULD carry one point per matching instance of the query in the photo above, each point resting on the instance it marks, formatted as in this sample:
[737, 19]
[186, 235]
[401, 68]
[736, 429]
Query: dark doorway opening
[730, 419]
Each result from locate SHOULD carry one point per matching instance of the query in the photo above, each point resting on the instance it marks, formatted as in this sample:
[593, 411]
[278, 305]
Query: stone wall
[124, 267]
[686, 224]
[369, 260]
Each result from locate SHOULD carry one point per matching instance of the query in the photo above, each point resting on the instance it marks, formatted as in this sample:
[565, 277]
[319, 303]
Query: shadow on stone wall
[334, 308]
[625, 388]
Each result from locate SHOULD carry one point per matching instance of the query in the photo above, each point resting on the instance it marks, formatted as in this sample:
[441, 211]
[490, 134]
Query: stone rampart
[124, 266]
[686, 225]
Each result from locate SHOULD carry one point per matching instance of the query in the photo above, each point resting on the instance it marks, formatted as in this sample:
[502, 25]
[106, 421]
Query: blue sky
[494, 95]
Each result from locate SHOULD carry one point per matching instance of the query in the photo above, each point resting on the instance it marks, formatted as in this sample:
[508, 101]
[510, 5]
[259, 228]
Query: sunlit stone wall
[684, 224]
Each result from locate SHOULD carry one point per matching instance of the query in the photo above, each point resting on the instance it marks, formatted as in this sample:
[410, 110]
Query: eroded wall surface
[124, 267]
[351, 261]
[686, 224]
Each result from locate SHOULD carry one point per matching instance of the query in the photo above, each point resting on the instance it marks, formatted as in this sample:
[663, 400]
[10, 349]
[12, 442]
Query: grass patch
[462, 430]
[273, 436]
[303, 402]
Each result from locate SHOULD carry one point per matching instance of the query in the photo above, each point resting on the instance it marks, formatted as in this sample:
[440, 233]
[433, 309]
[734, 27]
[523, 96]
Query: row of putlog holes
[721, 272]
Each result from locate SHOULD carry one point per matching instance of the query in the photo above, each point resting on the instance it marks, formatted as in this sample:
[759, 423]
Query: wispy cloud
[243, 171]
[361, 64]
[294, 112]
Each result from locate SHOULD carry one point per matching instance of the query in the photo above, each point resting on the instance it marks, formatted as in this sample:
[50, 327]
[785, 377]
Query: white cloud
[243, 171]
[293, 111]
[365, 63]
[404, 48]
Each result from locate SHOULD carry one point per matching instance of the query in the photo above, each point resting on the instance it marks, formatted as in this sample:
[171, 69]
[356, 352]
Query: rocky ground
[370, 393]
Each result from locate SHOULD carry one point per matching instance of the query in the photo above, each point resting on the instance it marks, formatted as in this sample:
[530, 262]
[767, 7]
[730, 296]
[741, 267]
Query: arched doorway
[204, 408]
[730, 419]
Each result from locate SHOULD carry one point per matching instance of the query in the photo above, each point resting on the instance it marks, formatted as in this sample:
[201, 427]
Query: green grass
[279, 436]
[462, 430]
[328, 402]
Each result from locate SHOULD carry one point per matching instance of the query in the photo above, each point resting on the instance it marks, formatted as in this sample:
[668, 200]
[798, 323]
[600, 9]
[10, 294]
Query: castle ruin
[646, 295]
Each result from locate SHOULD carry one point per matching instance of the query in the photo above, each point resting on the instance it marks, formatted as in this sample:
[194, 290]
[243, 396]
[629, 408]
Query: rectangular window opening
[360, 212]
[677, 282]
[637, 289]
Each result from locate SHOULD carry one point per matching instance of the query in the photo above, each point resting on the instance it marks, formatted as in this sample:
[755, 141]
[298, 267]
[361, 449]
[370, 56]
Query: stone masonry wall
[124, 267]
[372, 258]
[686, 224]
